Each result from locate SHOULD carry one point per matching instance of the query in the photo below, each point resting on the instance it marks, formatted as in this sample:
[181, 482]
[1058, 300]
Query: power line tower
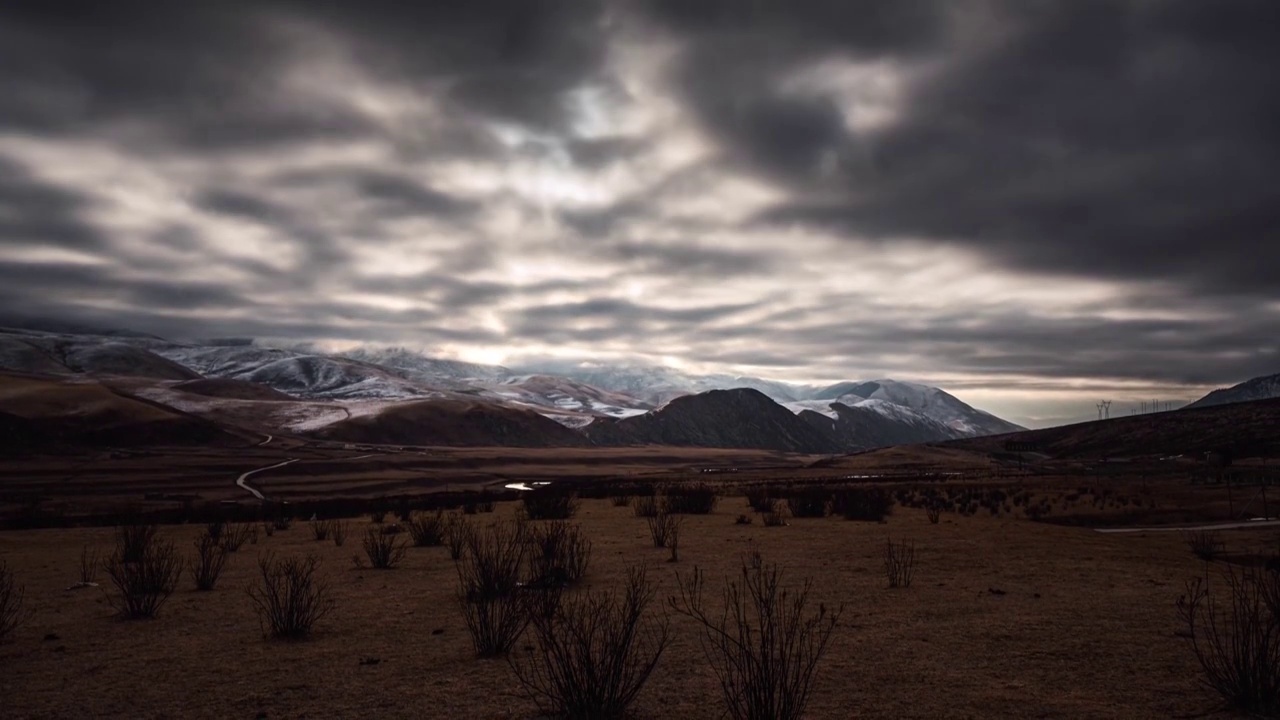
[1106, 409]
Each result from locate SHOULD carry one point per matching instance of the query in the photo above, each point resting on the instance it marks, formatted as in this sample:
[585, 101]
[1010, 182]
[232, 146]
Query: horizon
[1034, 208]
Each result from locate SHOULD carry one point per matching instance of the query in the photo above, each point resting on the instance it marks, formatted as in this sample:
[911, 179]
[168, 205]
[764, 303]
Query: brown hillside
[232, 390]
[453, 422]
[1249, 429]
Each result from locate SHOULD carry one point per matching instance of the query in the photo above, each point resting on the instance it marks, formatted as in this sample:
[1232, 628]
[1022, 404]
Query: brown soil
[1084, 626]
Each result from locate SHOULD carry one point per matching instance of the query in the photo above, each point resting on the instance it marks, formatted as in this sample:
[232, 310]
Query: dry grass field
[1005, 618]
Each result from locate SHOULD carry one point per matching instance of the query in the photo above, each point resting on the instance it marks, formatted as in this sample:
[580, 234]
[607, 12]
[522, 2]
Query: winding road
[244, 485]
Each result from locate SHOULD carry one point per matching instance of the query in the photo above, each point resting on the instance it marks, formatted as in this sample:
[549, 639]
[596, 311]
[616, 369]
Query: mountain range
[1259, 388]
[397, 395]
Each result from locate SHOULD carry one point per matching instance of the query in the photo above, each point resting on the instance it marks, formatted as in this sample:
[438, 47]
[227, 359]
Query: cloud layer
[1028, 203]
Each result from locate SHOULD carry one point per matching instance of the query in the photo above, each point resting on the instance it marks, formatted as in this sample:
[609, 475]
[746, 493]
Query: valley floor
[1006, 618]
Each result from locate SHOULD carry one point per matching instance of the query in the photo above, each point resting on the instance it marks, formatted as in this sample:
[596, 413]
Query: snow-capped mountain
[930, 402]
[313, 384]
[1259, 388]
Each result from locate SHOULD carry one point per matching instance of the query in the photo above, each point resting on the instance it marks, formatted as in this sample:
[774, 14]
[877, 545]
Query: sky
[1034, 204]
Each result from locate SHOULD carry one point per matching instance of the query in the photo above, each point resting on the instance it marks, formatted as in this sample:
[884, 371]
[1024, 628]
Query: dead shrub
[1234, 632]
[646, 506]
[426, 529]
[558, 554]
[699, 499]
[763, 647]
[321, 529]
[899, 563]
[383, 549]
[457, 533]
[774, 519]
[662, 527]
[594, 652]
[289, 598]
[88, 565]
[237, 535]
[133, 537]
[1205, 544]
[809, 503]
[377, 516]
[760, 499]
[11, 596]
[142, 584]
[548, 504]
[488, 587]
[934, 512]
[867, 504]
[620, 500]
[338, 531]
[211, 556]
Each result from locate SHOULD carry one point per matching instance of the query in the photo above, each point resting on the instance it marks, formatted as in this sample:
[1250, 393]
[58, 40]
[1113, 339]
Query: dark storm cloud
[1132, 140]
[330, 151]
[33, 212]
[208, 75]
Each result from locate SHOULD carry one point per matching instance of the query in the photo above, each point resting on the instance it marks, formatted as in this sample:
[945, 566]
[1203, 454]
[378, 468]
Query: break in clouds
[1028, 203]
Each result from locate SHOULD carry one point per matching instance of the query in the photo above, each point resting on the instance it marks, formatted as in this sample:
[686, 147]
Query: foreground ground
[1006, 618]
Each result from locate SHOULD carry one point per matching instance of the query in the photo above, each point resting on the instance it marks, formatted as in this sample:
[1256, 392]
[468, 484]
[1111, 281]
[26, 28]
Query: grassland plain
[1005, 618]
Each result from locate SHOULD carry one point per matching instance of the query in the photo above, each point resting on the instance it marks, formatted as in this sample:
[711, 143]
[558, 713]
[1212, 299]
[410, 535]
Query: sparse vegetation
[699, 499]
[133, 537]
[764, 647]
[558, 554]
[549, 504]
[320, 530]
[594, 652]
[338, 531]
[426, 529]
[383, 549]
[934, 512]
[620, 500]
[235, 536]
[662, 527]
[377, 517]
[88, 565]
[457, 533]
[488, 587]
[899, 563]
[289, 598]
[868, 504]
[143, 583]
[1205, 544]
[810, 503]
[773, 519]
[211, 556]
[646, 506]
[11, 598]
[1234, 632]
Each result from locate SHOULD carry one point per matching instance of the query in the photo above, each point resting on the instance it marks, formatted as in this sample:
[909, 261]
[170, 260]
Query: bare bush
[899, 563]
[377, 516]
[143, 584]
[594, 652]
[133, 537]
[457, 533]
[321, 529]
[558, 554]
[426, 529]
[662, 527]
[289, 598]
[775, 518]
[1234, 632]
[11, 597]
[383, 549]
[810, 503]
[268, 527]
[1205, 544]
[211, 556]
[488, 587]
[548, 504]
[88, 565]
[215, 528]
[646, 506]
[763, 647]
[237, 535]
[934, 512]
[870, 504]
[282, 522]
[338, 531]
[760, 499]
[699, 499]
[620, 500]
